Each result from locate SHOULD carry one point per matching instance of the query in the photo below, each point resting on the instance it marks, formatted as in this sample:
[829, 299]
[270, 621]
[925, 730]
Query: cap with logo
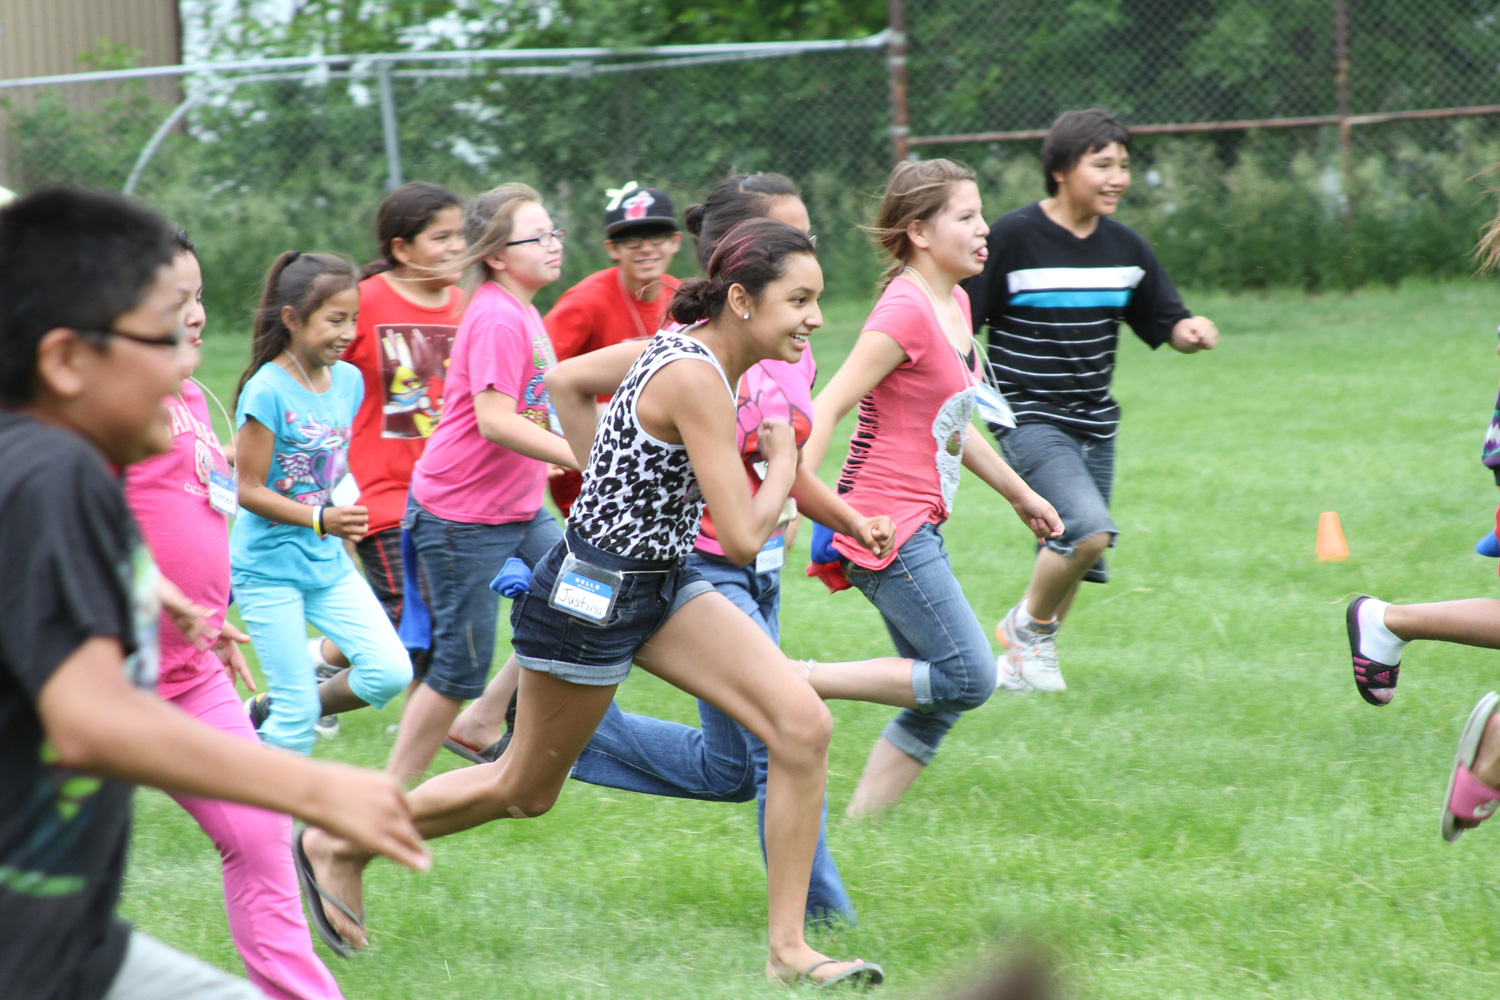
[635, 207]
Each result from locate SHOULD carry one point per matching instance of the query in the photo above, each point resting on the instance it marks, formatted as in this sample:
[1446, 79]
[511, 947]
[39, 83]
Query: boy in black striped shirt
[1061, 275]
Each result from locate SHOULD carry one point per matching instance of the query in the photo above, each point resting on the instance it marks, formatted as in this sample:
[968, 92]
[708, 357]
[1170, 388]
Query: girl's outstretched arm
[817, 501]
[498, 421]
[875, 356]
[253, 446]
[1037, 514]
[576, 384]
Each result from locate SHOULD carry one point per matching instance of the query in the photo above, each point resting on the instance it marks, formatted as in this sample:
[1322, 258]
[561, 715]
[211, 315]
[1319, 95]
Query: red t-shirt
[597, 313]
[401, 350]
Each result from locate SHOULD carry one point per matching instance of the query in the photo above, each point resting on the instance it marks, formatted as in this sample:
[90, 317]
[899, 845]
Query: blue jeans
[461, 559]
[931, 622]
[349, 613]
[721, 761]
[1075, 474]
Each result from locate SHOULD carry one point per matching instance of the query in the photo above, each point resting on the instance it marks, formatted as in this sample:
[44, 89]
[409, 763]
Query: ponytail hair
[737, 198]
[916, 192]
[404, 214]
[303, 281]
[752, 255]
[489, 221]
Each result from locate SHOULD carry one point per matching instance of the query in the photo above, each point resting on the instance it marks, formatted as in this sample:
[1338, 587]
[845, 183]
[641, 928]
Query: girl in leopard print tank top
[666, 446]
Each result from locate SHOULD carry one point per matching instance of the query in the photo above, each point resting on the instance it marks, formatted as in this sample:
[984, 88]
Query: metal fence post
[388, 127]
[1341, 95]
[895, 62]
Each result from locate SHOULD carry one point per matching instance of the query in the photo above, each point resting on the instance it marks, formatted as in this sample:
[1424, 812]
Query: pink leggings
[261, 897]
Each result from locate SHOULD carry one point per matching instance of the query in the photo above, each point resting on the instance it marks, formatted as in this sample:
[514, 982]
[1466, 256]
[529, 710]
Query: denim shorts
[582, 652]
[461, 559]
[1075, 474]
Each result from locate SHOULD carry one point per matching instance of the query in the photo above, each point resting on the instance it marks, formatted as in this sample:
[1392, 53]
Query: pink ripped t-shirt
[775, 390]
[907, 449]
[168, 496]
[502, 345]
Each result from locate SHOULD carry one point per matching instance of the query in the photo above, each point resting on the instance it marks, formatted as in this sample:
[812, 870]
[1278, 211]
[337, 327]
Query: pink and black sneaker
[1376, 681]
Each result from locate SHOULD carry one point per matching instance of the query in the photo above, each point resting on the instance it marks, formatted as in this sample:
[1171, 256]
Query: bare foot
[339, 867]
[787, 966]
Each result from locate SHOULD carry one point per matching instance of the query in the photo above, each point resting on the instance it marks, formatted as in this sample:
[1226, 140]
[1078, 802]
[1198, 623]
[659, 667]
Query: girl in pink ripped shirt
[180, 500]
[913, 373]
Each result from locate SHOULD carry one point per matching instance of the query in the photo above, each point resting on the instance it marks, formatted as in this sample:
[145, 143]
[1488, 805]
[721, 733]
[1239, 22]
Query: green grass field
[1210, 811]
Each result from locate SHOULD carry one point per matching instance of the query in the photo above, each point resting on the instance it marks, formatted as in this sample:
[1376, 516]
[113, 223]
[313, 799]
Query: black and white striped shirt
[1054, 302]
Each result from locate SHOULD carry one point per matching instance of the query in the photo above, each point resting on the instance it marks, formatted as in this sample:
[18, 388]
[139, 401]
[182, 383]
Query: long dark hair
[402, 215]
[752, 254]
[737, 198]
[303, 281]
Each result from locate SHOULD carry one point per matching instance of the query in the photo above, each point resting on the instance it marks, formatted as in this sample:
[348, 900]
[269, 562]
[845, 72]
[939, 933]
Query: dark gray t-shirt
[72, 567]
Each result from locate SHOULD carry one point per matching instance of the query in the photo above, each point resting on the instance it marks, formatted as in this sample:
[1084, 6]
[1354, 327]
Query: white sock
[1025, 620]
[1375, 640]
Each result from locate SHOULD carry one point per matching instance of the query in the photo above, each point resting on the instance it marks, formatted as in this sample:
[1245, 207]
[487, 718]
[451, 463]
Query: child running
[1378, 632]
[91, 341]
[180, 500]
[913, 372]
[616, 589]
[409, 311]
[722, 761]
[1060, 277]
[294, 409]
[477, 492]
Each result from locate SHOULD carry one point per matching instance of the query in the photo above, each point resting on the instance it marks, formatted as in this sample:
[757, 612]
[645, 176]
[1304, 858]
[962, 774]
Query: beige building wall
[48, 37]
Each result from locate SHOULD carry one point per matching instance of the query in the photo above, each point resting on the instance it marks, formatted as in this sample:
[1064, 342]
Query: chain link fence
[1313, 143]
[274, 156]
[1279, 142]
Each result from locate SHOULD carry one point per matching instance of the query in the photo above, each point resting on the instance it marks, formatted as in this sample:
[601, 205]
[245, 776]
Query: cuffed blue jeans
[719, 762]
[930, 621]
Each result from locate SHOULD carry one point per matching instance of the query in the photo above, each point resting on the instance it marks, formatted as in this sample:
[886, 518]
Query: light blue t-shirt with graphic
[310, 455]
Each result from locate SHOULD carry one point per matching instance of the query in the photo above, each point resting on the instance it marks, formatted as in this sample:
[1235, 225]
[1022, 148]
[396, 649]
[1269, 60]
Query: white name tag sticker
[992, 406]
[223, 493]
[584, 597]
[772, 555]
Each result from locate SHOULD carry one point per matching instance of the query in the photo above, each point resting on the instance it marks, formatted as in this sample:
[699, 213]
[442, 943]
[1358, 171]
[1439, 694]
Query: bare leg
[335, 695]
[884, 681]
[1055, 577]
[1471, 622]
[483, 722]
[889, 772]
[424, 723]
[711, 650]
[554, 721]
[332, 655]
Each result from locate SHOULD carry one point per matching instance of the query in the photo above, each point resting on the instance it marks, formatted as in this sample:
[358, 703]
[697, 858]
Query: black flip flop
[315, 895]
[859, 977]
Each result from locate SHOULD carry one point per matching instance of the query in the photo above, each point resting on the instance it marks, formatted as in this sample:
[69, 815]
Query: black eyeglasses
[546, 241]
[636, 242]
[175, 340]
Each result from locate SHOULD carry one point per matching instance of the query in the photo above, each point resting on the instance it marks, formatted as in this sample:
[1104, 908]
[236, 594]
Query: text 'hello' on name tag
[584, 591]
[223, 493]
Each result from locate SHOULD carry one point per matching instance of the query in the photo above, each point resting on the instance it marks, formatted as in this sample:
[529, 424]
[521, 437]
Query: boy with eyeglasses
[624, 302]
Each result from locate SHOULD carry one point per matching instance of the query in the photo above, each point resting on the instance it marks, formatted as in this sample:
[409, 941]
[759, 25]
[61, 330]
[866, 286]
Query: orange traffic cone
[1331, 544]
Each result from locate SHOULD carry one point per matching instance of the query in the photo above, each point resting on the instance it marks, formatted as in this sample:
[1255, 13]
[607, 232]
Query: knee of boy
[1094, 546]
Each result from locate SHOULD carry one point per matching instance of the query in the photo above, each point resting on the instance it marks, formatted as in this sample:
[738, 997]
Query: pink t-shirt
[168, 495]
[907, 450]
[777, 390]
[501, 345]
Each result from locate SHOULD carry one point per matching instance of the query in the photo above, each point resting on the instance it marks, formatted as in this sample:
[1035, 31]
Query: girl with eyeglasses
[477, 491]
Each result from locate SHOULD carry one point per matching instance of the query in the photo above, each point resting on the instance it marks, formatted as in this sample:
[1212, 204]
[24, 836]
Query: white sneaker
[327, 726]
[1029, 662]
